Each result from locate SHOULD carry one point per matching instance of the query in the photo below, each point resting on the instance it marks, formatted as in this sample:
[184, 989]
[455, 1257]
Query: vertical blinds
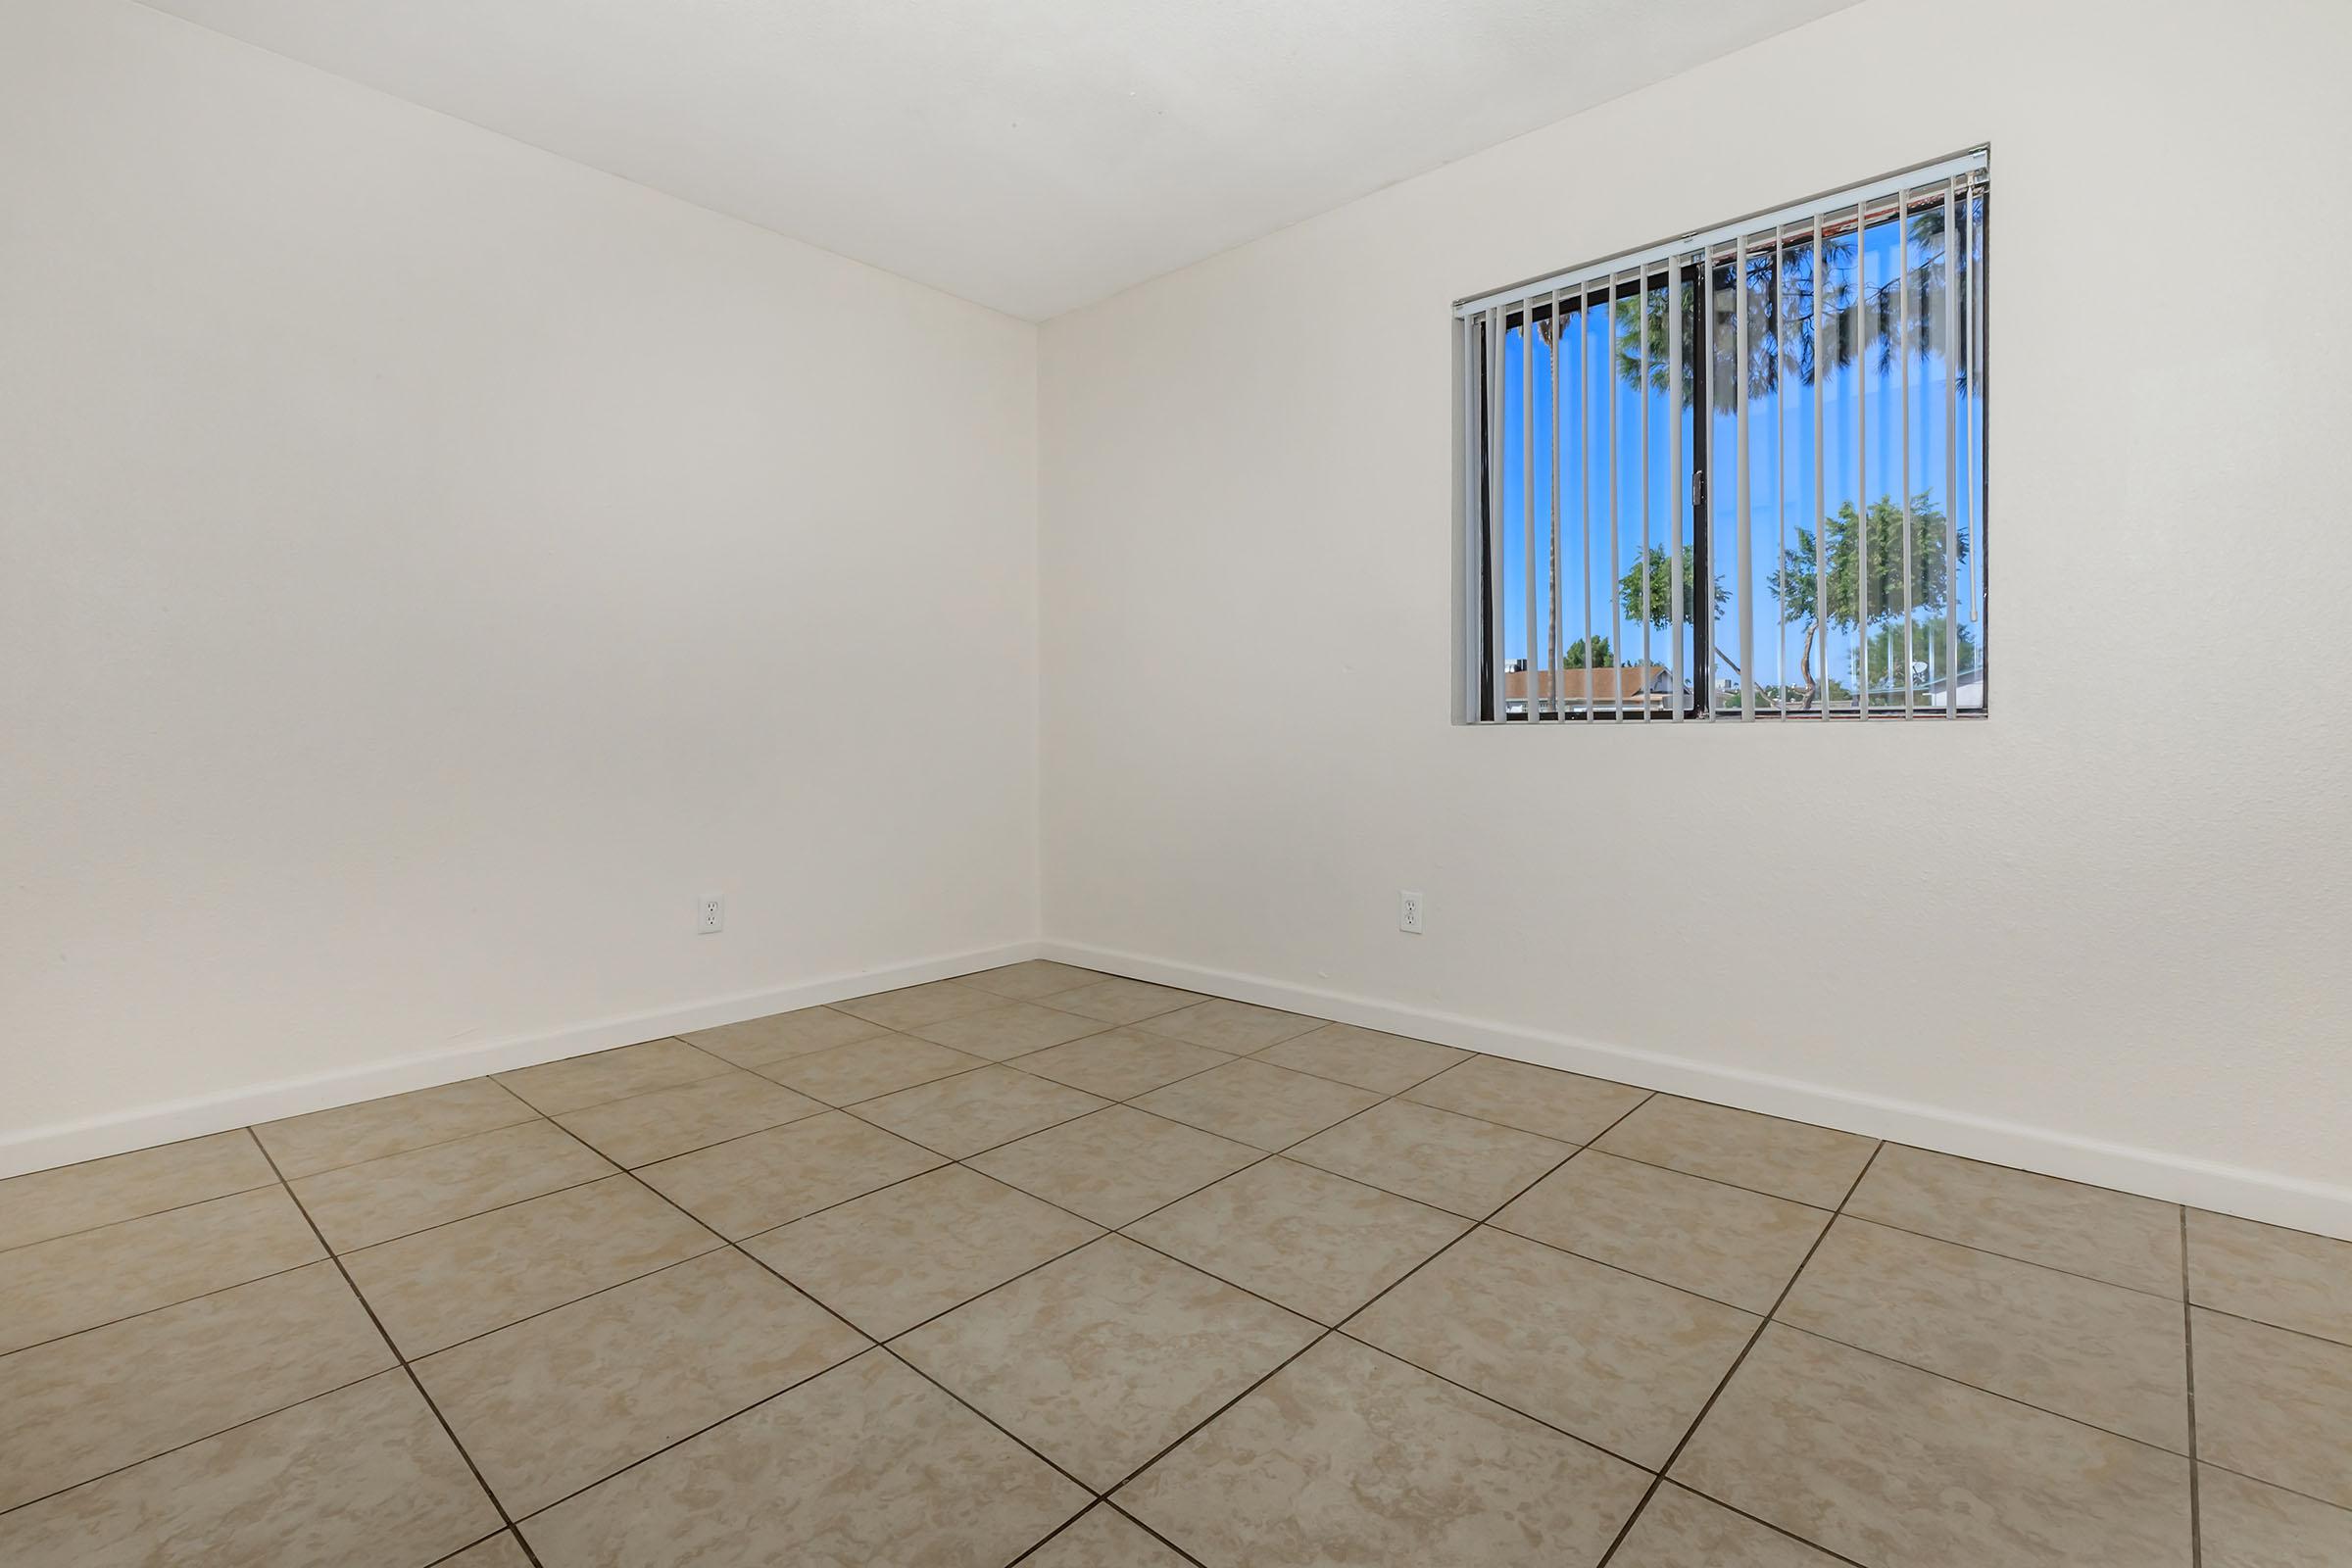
[1685, 464]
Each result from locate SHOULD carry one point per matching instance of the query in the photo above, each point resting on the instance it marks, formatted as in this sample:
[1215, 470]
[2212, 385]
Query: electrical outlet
[710, 914]
[1411, 914]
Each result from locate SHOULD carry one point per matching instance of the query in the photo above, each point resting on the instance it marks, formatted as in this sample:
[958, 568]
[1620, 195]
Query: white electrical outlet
[1411, 911]
[710, 914]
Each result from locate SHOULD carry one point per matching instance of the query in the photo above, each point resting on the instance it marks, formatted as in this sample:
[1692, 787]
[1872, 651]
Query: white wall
[2139, 914]
[427, 565]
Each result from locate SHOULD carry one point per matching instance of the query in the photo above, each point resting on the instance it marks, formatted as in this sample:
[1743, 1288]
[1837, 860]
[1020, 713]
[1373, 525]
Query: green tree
[1653, 574]
[1600, 655]
[1887, 655]
[1823, 575]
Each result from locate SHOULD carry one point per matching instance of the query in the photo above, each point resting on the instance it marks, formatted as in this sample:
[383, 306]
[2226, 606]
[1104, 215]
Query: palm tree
[1635, 320]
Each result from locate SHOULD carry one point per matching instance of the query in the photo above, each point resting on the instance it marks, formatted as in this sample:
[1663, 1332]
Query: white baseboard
[2265, 1195]
[65, 1143]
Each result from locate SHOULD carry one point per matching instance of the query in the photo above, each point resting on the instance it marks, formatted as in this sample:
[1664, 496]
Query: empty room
[805, 784]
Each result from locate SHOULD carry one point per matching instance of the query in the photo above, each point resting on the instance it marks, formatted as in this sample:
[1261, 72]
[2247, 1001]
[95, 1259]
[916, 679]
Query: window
[1738, 475]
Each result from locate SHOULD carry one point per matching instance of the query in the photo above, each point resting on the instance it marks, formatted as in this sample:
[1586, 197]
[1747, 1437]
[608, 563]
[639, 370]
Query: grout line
[2275, 1486]
[775, 1394]
[2006, 1398]
[1758, 1520]
[441, 1562]
[957, 1159]
[166, 1306]
[1740, 1187]
[724, 1065]
[1054, 1533]
[202, 1436]
[132, 1219]
[1036, 1453]
[1741, 1361]
[1578, 1438]
[2011, 1257]
[494, 1208]
[2188, 1360]
[1321, 1334]
[955, 1306]
[415, 1380]
[819, 1108]
[2278, 1328]
[561, 1306]
[978, 1064]
[533, 1114]
[1115, 1507]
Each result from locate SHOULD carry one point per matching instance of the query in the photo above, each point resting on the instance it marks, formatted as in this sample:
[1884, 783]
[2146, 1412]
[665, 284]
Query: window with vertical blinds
[1738, 475]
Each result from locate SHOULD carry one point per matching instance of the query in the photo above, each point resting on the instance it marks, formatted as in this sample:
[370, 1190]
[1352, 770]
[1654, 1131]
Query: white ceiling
[1032, 155]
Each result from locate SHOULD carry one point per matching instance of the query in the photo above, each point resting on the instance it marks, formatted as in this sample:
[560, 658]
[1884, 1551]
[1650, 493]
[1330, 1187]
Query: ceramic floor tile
[303, 1146]
[2274, 1405]
[1102, 1359]
[1121, 1064]
[673, 1121]
[1724, 1242]
[1118, 1001]
[359, 1205]
[1364, 1057]
[1899, 1468]
[890, 1260]
[363, 1475]
[2080, 1348]
[1268, 1107]
[2244, 1524]
[564, 1399]
[1116, 1165]
[1681, 1529]
[864, 1465]
[81, 1406]
[79, 1282]
[1349, 1457]
[963, 1115]
[1455, 1162]
[848, 1074]
[2290, 1278]
[910, 1007]
[1026, 982]
[1103, 1539]
[1008, 1030]
[1618, 1360]
[1318, 1244]
[762, 1043]
[1565, 1105]
[2084, 1230]
[56, 1202]
[1790, 1159]
[1230, 1026]
[501, 1551]
[756, 1183]
[441, 1285]
[580, 1081]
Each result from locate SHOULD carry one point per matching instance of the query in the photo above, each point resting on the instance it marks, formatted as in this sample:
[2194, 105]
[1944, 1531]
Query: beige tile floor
[1048, 1266]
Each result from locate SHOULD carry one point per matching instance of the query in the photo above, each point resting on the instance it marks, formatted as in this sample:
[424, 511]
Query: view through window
[1740, 475]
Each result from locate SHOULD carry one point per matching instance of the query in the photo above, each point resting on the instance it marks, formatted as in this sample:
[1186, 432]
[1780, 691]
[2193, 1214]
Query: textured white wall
[2128, 918]
[427, 565]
